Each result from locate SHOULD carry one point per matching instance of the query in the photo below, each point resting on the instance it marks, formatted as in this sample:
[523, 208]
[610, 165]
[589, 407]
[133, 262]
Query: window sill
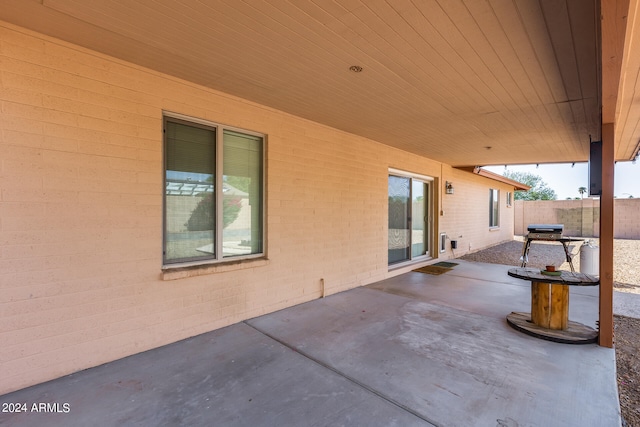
[185, 271]
[412, 263]
[494, 228]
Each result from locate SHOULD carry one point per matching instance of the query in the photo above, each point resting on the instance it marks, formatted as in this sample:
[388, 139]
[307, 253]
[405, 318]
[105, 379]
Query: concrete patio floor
[414, 350]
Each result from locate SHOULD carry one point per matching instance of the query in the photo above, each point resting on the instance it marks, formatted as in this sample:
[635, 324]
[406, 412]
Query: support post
[606, 237]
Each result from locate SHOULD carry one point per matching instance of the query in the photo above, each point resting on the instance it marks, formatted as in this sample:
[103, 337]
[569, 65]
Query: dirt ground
[627, 336]
[626, 279]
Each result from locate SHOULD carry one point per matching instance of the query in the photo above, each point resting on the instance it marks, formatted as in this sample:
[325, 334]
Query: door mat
[432, 269]
[445, 264]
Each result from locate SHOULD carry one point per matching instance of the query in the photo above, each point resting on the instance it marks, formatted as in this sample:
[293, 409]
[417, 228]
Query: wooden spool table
[549, 317]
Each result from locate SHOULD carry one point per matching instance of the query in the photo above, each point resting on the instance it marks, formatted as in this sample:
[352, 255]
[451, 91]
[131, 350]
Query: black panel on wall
[595, 169]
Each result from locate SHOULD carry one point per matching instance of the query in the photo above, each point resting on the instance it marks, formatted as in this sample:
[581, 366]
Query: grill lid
[545, 228]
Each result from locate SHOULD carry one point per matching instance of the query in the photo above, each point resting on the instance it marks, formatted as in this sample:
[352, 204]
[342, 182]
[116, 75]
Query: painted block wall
[581, 218]
[626, 223]
[81, 279]
[465, 213]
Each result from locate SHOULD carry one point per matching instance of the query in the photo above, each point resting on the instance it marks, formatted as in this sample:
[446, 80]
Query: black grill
[545, 228]
[545, 231]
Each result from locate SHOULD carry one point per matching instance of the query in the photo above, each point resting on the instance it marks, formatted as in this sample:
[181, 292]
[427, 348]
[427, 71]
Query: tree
[539, 189]
[202, 218]
[582, 190]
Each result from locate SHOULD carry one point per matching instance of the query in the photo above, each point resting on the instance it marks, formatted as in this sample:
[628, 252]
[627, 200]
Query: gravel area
[626, 258]
[626, 274]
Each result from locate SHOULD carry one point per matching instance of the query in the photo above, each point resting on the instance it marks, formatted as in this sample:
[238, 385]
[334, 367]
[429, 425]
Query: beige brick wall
[81, 211]
[466, 212]
[581, 218]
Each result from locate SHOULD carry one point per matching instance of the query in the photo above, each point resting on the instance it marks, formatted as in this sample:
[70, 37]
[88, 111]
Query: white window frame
[218, 256]
[494, 208]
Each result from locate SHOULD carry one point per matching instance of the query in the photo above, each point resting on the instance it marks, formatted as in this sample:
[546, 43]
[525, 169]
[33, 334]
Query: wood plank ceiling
[465, 82]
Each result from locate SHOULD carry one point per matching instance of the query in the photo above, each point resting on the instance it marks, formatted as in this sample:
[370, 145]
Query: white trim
[400, 172]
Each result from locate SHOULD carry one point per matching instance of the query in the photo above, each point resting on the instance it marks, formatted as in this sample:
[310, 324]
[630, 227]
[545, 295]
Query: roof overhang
[464, 83]
[518, 186]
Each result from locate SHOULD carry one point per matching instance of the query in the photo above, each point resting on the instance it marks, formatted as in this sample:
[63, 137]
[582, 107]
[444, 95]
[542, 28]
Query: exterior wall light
[448, 187]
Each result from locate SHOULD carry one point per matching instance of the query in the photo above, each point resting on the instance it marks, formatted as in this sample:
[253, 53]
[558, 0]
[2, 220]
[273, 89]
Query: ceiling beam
[614, 14]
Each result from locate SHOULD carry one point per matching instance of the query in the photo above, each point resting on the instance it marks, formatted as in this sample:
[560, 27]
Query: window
[494, 208]
[509, 198]
[213, 202]
[409, 217]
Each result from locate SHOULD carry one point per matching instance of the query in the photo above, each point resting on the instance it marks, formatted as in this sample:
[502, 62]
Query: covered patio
[415, 349]
[333, 99]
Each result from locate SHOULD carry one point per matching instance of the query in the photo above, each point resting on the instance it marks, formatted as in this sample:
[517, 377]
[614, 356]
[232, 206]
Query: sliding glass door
[408, 218]
[399, 218]
[419, 229]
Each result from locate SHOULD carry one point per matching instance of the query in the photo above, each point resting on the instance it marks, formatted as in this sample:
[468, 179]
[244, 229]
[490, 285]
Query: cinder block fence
[581, 218]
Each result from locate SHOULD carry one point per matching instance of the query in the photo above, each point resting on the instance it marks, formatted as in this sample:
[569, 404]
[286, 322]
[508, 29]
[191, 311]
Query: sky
[565, 179]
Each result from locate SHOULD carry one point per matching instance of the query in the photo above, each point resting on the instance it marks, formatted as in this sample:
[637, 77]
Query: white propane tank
[590, 259]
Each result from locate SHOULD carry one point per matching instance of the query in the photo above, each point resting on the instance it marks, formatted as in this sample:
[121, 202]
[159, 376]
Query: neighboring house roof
[496, 177]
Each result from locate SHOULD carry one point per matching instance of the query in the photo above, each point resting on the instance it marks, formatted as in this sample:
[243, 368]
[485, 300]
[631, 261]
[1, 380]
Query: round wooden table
[549, 317]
